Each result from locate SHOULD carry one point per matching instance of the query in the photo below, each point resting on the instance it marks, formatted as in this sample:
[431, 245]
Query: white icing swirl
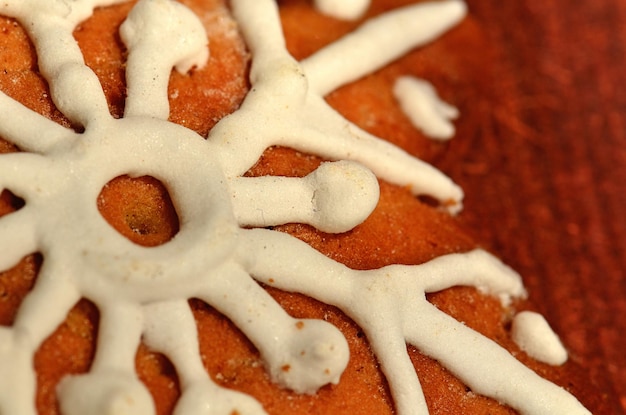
[143, 291]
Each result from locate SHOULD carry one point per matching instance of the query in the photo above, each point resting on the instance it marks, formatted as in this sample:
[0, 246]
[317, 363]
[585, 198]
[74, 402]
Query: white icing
[110, 391]
[143, 291]
[344, 9]
[532, 333]
[149, 27]
[278, 106]
[341, 195]
[420, 102]
[379, 41]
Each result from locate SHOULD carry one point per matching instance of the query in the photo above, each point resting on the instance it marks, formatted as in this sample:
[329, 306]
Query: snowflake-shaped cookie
[218, 255]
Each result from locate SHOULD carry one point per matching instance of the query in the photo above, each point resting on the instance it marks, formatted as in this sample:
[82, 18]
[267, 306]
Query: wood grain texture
[549, 170]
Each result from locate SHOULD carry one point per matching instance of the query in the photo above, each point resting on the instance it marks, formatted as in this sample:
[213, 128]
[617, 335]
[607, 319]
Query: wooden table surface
[559, 157]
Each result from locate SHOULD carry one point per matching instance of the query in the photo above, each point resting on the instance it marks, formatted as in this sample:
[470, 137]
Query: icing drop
[144, 291]
[420, 102]
[532, 333]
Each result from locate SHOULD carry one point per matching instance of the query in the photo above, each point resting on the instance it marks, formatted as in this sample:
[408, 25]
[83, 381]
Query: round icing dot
[315, 354]
[532, 333]
[344, 195]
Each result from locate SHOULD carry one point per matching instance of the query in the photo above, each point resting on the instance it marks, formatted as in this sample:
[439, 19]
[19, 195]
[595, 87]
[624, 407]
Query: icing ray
[402, 313]
[334, 198]
[16, 359]
[261, 315]
[24, 174]
[147, 74]
[475, 268]
[170, 328]
[276, 104]
[38, 317]
[463, 350]
[15, 248]
[50, 25]
[24, 128]
[379, 41]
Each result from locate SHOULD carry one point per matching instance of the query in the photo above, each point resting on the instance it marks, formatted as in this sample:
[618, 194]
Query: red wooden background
[560, 188]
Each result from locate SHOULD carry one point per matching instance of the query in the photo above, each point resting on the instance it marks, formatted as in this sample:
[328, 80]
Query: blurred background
[558, 145]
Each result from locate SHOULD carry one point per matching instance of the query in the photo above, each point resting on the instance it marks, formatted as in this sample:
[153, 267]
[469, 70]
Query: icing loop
[144, 291]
